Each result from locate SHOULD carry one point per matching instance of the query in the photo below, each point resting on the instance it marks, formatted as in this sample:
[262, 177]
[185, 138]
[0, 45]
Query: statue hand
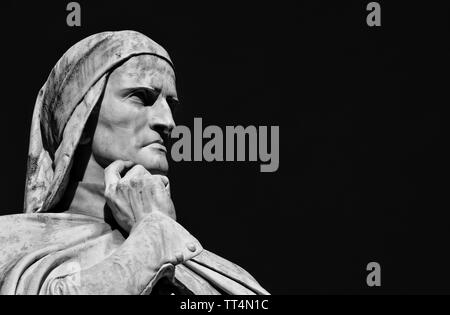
[136, 194]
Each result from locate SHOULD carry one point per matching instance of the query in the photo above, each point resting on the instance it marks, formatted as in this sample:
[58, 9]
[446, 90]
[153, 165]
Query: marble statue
[98, 217]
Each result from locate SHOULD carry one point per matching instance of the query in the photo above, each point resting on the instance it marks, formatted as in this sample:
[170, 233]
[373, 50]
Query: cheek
[117, 135]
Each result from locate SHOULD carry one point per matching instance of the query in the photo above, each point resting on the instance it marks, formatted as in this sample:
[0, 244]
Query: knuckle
[139, 168]
[122, 185]
[109, 190]
[135, 182]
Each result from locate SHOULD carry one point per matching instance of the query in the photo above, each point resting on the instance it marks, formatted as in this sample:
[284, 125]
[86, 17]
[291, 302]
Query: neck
[85, 191]
[93, 173]
[87, 199]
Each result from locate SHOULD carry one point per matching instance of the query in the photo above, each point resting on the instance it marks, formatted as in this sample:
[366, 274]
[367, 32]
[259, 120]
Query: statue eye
[145, 97]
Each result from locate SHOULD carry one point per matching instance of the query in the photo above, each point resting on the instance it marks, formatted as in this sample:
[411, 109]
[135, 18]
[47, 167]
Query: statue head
[135, 115]
[111, 96]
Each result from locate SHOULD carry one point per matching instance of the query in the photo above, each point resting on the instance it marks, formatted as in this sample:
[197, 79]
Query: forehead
[144, 71]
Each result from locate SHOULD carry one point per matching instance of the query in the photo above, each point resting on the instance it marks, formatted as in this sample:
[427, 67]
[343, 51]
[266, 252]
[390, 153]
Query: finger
[161, 187]
[112, 172]
[136, 171]
[164, 179]
[166, 183]
[161, 181]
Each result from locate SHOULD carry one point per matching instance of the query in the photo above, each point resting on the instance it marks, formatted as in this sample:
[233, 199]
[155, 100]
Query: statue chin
[155, 164]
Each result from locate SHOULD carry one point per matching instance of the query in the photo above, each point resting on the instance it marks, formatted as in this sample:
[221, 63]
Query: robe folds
[46, 254]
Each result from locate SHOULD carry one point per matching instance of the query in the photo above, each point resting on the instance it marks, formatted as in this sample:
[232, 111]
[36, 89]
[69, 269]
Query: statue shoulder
[24, 233]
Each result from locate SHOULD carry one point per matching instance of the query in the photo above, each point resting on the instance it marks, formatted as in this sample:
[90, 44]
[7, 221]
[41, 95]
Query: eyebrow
[146, 89]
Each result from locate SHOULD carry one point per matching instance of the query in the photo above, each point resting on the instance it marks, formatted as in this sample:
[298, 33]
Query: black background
[360, 111]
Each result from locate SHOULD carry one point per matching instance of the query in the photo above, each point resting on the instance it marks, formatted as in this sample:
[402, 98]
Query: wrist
[171, 239]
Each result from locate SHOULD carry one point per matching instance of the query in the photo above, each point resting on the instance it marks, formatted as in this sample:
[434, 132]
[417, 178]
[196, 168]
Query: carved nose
[161, 119]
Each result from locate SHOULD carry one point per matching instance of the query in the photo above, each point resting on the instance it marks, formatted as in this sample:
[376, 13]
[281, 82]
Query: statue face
[135, 118]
